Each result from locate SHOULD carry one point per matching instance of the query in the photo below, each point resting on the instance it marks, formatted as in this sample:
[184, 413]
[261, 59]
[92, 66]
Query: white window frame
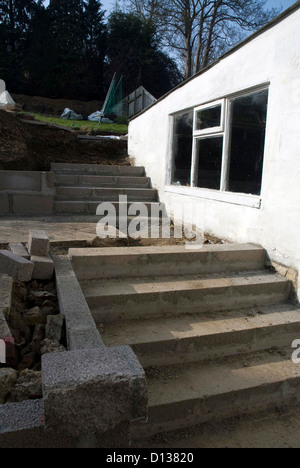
[222, 194]
[210, 130]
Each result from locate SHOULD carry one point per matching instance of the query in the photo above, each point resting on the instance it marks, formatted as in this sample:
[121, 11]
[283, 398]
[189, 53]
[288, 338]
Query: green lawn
[83, 126]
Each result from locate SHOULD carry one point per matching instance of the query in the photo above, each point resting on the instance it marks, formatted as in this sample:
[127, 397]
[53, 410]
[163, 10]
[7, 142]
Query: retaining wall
[26, 193]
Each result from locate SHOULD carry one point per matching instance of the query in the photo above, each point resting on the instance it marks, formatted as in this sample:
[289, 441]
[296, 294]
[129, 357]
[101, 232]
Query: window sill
[252, 201]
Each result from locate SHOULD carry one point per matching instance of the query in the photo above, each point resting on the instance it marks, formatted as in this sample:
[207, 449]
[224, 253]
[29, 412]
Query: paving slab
[15, 229]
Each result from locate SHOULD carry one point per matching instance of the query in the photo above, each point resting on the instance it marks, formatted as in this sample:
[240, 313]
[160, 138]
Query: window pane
[183, 144]
[209, 118]
[210, 152]
[249, 116]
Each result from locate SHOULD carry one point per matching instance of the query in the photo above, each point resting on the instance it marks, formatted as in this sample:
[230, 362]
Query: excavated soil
[42, 105]
[30, 147]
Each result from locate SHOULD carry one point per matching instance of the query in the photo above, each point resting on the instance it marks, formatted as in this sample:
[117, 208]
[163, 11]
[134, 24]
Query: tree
[198, 30]
[95, 49]
[134, 53]
[16, 18]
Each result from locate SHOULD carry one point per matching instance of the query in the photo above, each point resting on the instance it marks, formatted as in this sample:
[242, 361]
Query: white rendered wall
[271, 57]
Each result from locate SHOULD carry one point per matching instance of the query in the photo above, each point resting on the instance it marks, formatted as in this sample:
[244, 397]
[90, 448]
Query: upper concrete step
[190, 338]
[105, 194]
[191, 394]
[163, 261]
[101, 181]
[95, 169]
[134, 298]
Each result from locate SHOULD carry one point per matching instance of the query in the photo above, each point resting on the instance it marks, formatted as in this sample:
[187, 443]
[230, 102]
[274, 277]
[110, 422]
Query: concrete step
[90, 207]
[101, 181]
[190, 338]
[192, 394]
[105, 194]
[163, 261]
[95, 169]
[134, 298]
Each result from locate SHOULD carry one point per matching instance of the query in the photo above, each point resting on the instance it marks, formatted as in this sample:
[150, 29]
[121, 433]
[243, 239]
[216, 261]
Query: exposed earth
[33, 147]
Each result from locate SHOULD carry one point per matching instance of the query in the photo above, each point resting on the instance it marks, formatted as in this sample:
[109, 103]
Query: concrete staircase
[212, 327]
[80, 188]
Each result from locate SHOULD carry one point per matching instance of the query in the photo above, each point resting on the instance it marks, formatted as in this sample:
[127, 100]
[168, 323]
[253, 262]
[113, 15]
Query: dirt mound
[14, 152]
[26, 146]
[56, 106]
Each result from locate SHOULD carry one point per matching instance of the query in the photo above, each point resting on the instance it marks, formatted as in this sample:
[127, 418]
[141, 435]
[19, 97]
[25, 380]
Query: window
[249, 115]
[209, 160]
[209, 119]
[183, 145]
[220, 146]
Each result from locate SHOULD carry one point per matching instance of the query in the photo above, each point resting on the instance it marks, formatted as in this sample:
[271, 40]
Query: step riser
[217, 346]
[183, 263]
[93, 169]
[168, 304]
[101, 181]
[105, 195]
[90, 207]
[183, 414]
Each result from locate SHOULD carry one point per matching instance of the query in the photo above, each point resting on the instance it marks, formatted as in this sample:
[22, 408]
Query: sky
[109, 4]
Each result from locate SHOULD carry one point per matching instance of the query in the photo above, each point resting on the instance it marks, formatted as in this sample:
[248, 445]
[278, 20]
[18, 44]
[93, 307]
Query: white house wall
[271, 57]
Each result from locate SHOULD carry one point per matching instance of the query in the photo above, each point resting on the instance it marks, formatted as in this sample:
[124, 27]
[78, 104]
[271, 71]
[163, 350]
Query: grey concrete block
[4, 203]
[38, 243]
[19, 249]
[17, 417]
[84, 339]
[18, 268]
[81, 329]
[90, 391]
[20, 180]
[33, 204]
[43, 268]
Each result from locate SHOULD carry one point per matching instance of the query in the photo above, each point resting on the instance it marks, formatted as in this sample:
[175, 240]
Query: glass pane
[249, 114]
[183, 145]
[209, 118]
[210, 152]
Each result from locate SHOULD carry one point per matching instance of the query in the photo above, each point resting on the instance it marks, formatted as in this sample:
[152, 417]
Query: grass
[83, 126]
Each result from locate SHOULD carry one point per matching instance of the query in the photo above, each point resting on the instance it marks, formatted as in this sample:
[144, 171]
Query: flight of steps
[212, 327]
[80, 188]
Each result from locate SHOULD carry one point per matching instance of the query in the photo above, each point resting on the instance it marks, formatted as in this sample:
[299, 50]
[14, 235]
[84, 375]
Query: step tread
[96, 169]
[150, 285]
[166, 329]
[110, 201]
[105, 189]
[159, 251]
[175, 384]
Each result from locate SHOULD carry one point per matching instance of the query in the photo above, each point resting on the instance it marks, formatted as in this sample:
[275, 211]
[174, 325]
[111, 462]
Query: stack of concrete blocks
[38, 248]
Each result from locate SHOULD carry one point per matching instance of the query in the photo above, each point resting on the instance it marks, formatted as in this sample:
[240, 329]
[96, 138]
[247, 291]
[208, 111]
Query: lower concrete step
[161, 261]
[77, 180]
[190, 338]
[105, 194]
[90, 207]
[95, 169]
[135, 298]
[192, 394]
